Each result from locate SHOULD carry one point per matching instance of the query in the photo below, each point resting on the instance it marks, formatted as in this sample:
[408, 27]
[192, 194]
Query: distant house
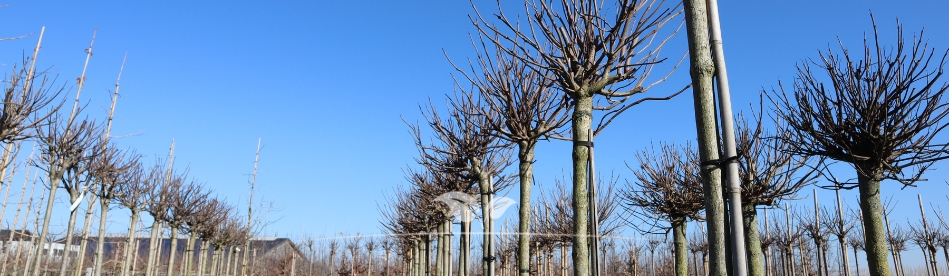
[13, 240]
[269, 252]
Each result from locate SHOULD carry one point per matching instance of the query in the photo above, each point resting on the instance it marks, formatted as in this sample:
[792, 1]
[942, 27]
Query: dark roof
[18, 235]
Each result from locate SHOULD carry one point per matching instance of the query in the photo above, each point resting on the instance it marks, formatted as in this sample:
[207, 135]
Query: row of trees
[804, 239]
[566, 63]
[74, 152]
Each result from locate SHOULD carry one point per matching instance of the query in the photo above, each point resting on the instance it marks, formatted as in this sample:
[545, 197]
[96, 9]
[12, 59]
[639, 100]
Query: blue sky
[326, 84]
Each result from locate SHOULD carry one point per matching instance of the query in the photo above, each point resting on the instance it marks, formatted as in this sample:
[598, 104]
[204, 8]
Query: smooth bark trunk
[440, 254]
[753, 241]
[525, 156]
[215, 256]
[464, 244]
[41, 240]
[100, 242]
[581, 125]
[872, 209]
[486, 188]
[702, 70]
[153, 248]
[189, 253]
[70, 226]
[130, 244]
[681, 247]
[172, 250]
[84, 242]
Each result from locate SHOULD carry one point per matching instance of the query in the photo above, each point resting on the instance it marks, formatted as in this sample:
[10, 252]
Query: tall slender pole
[932, 265]
[843, 239]
[739, 261]
[594, 218]
[250, 208]
[702, 72]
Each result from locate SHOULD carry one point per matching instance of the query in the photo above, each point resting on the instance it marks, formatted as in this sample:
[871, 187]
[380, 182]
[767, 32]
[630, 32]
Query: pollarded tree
[668, 188]
[113, 170]
[468, 149]
[184, 201]
[558, 212]
[64, 144]
[838, 225]
[600, 57]
[880, 112]
[158, 202]
[132, 195]
[522, 107]
[768, 174]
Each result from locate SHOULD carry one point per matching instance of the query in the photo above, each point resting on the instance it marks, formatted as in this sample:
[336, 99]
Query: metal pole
[733, 188]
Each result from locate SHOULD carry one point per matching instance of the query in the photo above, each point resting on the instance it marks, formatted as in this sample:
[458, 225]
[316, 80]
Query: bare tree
[184, 199]
[468, 149]
[63, 147]
[113, 169]
[897, 239]
[881, 114]
[589, 50]
[839, 226]
[158, 202]
[521, 107]
[768, 174]
[667, 188]
[132, 195]
[856, 242]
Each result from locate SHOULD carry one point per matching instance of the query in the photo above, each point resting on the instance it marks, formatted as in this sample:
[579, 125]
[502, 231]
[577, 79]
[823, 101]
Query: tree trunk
[856, 261]
[872, 210]
[215, 255]
[100, 242]
[945, 251]
[189, 254]
[702, 70]
[752, 240]
[173, 249]
[805, 269]
[41, 240]
[486, 188]
[899, 263]
[525, 156]
[843, 237]
[681, 247]
[153, 248]
[87, 224]
[202, 259]
[464, 243]
[416, 259]
[64, 262]
[440, 251]
[563, 259]
[130, 244]
[581, 126]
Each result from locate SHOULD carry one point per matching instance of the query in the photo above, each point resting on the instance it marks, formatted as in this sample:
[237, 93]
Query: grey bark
[87, 224]
[753, 241]
[525, 156]
[153, 248]
[702, 70]
[872, 209]
[130, 244]
[173, 249]
[100, 244]
[681, 247]
[581, 126]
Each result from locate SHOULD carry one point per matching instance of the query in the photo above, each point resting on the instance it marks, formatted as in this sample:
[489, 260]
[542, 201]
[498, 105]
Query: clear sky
[326, 85]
